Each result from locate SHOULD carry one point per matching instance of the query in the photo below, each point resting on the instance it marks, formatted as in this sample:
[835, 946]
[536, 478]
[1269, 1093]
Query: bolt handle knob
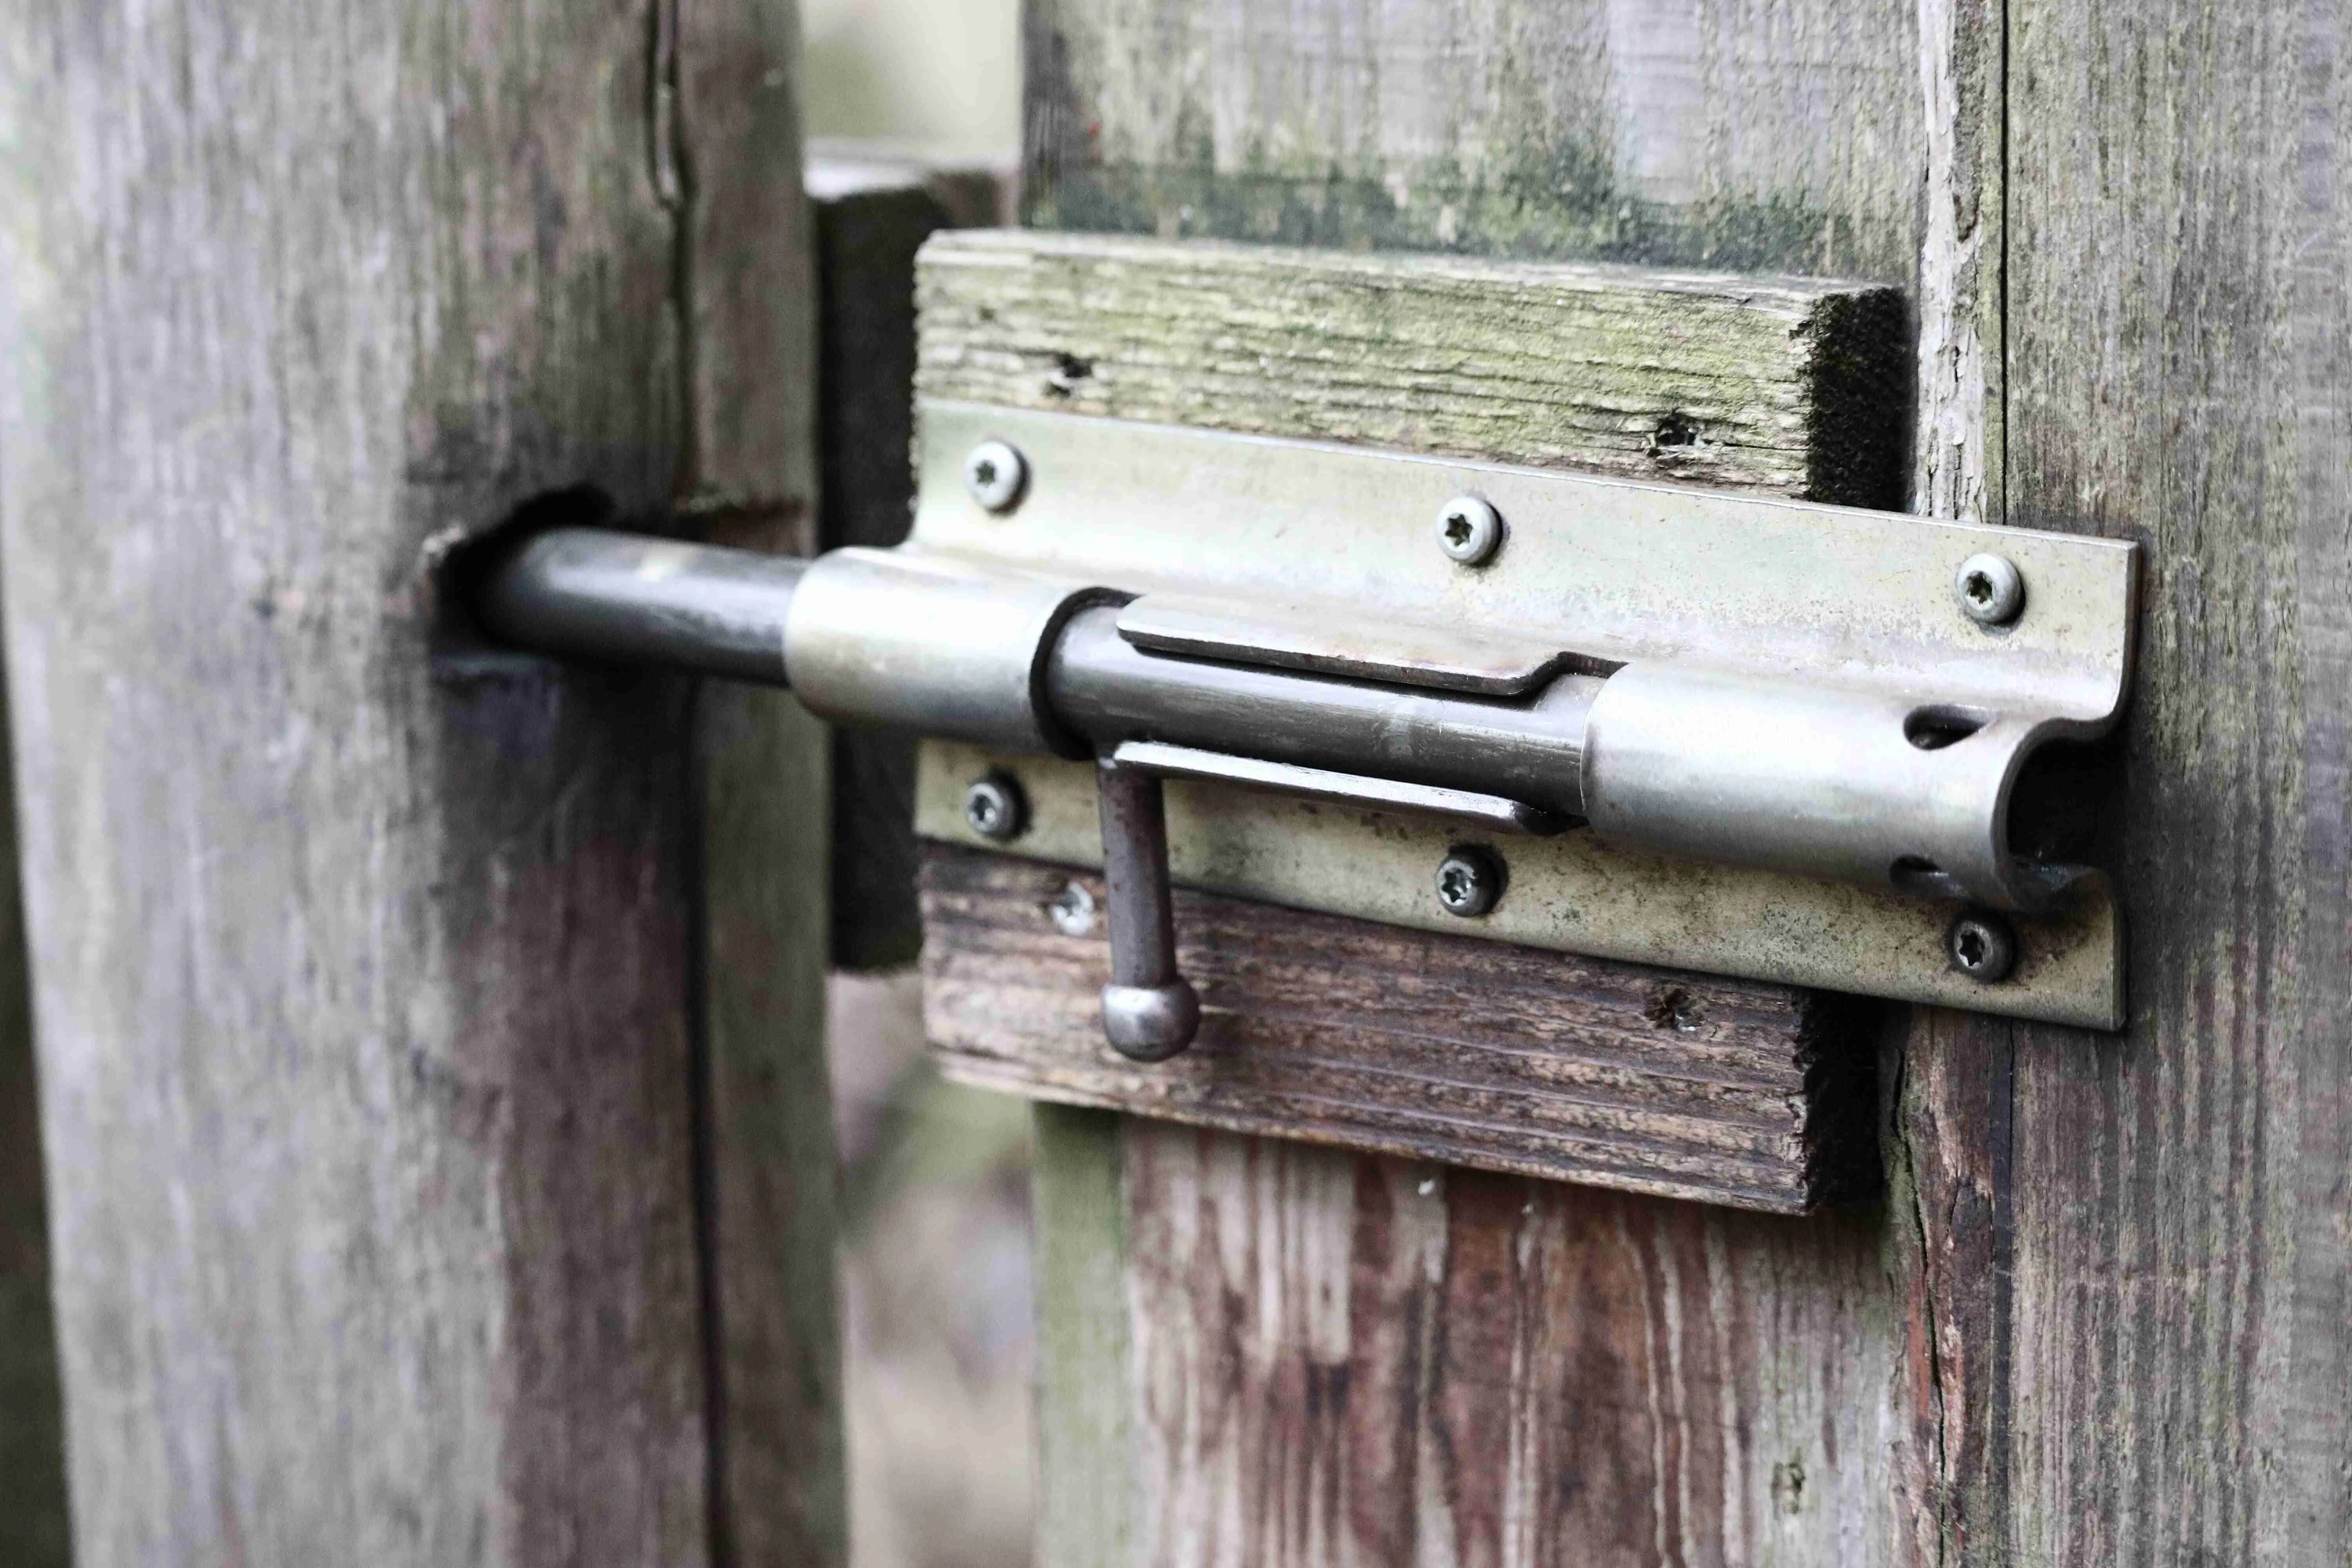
[1149, 1012]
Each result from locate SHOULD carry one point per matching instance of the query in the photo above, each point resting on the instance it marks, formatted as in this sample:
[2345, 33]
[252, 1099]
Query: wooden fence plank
[1439, 1047]
[731, 179]
[1832, 1414]
[2181, 372]
[1790, 386]
[363, 977]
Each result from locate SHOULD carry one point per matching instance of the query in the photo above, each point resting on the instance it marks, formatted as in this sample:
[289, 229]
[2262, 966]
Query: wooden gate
[436, 1156]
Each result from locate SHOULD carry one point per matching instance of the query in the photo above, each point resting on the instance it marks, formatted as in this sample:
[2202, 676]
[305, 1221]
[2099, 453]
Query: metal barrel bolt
[1478, 707]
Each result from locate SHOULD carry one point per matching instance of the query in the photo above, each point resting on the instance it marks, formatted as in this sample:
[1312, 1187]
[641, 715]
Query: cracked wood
[1259, 1350]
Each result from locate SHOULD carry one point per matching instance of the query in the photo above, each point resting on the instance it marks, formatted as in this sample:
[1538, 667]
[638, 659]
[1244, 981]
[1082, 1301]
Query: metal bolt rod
[1149, 1012]
[629, 598]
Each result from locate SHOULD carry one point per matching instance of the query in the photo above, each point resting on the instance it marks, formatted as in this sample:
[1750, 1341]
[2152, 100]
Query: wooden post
[427, 1137]
[2103, 1314]
[2181, 372]
[1328, 1358]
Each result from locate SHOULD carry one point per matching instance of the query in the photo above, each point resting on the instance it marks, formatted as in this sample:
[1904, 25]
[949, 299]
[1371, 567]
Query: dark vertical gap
[2000, 1418]
[704, 1137]
[671, 173]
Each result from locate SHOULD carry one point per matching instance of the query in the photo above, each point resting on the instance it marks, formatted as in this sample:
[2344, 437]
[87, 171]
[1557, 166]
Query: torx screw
[995, 474]
[1990, 589]
[1469, 882]
[1469, 530]
[995, 808]
[1982, 946]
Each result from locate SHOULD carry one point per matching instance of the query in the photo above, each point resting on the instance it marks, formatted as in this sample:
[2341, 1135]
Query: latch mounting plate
[1330, 538]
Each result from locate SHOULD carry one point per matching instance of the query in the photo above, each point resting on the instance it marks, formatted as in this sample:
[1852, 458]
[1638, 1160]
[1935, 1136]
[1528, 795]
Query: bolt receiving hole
[1942, 725]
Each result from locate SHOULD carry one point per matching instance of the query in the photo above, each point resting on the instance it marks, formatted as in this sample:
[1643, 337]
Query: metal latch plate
[1604, 568]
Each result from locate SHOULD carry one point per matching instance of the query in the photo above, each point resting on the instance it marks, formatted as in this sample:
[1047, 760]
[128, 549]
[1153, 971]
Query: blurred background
[938, 76]
[935, 1264]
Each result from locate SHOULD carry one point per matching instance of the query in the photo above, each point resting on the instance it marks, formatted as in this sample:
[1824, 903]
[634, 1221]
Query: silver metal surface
[995, 474]
[938, 645]
[1825, 780]
[595, 593]
[1990, 589]
[1469, 882]
[1983, 946]
[1616, 571]
[1149, 1012]
[994, 807]
[1571, 892]
[1477, 661]
[1346, 789]
[1469, 530]
[1101, 686]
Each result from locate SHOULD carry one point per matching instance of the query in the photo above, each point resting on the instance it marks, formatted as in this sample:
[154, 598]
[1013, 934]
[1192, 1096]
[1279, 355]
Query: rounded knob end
[1151, 1022]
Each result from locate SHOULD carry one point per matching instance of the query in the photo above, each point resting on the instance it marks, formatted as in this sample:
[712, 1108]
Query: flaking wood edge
[1783, 385]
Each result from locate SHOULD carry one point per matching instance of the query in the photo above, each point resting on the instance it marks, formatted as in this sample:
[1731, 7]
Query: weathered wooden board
[1441, 1047]
[403, 1211]
[1788, 385]
[726, 151]
[1732, 1389]
[1756, 134]
[2181, 371]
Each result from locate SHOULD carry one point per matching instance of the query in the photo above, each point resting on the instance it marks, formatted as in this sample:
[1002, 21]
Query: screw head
[995, 808]
[1990, 590]
[1469, 882]
[995, 474]
[1072, 910]
[1982, 946]
[1469, 530]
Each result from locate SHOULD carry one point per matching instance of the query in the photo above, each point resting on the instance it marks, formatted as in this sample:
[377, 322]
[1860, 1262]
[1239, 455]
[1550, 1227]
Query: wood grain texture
[2181, 371]
[1756, 134]
[1949, 1135]
[1440, 1047]
[1791, 386]
[1844, 137]
[363, 979]
[726, 98]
